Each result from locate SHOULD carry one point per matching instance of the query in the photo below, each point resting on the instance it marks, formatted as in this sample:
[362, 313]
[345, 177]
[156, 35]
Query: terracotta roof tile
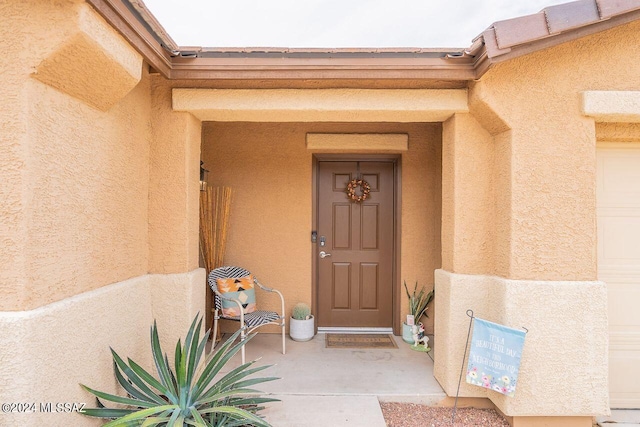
[502, 36]
[519, 30]
[566, 16]
[609, 8]
[491, 44]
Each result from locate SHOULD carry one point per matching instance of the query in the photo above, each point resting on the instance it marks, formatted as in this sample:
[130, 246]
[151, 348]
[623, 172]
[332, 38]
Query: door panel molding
[342, 283]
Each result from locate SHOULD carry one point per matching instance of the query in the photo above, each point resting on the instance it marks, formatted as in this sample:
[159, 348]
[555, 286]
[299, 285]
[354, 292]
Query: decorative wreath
[351, 190]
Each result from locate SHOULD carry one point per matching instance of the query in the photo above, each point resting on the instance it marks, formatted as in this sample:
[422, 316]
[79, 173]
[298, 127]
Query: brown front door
[355, 282]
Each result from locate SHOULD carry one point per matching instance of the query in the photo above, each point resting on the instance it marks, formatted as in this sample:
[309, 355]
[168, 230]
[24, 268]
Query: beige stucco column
[174, 190]
[519, 246]
[174, 218]
[468, 199]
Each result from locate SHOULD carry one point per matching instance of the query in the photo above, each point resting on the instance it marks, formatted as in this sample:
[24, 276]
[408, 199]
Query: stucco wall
[47, 352]
[618, 132]
[551, 149]
[563, 346]
[75, 178]
[174, 170]
[270, 171]
[81, 227]
[542, 177]
[468, 192]
[75, 157]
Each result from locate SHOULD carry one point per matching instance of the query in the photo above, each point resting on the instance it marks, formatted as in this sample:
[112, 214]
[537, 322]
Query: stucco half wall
[563, 370]
[50, 350]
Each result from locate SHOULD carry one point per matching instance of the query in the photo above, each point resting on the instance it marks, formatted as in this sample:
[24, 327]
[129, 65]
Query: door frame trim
[396, 159]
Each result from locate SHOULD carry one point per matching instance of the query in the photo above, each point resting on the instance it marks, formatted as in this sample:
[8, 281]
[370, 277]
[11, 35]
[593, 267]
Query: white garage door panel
[623, 361]
[616, 247]
[618, 195]
[620, 177]
[623, 306]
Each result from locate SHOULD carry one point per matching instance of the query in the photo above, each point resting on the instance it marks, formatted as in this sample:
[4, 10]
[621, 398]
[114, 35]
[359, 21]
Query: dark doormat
[360, 341]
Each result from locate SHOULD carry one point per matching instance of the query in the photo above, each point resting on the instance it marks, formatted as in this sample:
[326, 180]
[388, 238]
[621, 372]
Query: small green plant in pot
[418, 304]
[189, 393]
[301, 324]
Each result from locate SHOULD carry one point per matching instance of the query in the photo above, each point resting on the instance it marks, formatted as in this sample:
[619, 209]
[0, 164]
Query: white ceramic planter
[407, 334]
[301, 330]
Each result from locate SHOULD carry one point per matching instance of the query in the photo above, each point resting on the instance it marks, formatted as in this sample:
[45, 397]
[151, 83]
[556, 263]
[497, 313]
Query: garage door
[618, 196]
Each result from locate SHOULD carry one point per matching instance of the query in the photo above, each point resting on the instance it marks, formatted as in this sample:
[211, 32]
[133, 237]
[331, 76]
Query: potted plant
[301, 327]
[418, 302]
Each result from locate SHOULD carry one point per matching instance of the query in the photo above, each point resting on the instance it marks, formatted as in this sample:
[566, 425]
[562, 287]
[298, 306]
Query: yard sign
[494, 358]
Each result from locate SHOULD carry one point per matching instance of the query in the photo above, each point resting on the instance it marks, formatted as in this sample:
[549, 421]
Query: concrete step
[323, 411]
[621, 417]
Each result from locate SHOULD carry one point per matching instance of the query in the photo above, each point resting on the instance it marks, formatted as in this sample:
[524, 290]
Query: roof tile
[515, 31]
[489, 36]
[609, 8]
[566, 16]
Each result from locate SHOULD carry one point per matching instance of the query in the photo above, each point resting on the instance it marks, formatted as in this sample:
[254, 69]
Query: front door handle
[323, 254]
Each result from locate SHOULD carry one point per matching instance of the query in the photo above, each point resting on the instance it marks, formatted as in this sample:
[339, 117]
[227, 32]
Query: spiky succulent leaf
[191, 344]
[118, 399]
[148, 378]
[219, 360]
[143, 392]
[175, 420]
[418, 301]
[238, 413]
[106, 412]
[185, 393]
[234, 375]
[162, 366]
[138, 415]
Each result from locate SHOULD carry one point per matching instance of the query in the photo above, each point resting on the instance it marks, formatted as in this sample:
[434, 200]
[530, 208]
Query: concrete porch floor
[321, 386]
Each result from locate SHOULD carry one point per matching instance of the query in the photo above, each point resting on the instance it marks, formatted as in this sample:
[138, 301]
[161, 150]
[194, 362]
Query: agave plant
[418, 301]
[188, 394]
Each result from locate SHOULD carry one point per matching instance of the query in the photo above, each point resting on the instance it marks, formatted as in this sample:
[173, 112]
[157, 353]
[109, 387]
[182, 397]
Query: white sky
[334, 23]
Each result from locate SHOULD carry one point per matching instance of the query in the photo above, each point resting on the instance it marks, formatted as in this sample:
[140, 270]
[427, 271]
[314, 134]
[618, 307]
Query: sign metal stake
[455, 404]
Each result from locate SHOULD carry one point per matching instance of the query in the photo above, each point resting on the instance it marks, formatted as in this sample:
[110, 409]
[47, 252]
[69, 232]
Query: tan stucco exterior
[550, 344]
[533, 223]
[50, 350]
[552, 153]
[358, 142]
[270, 224]
[612, 106]
[81, 222]
[174, 190]
[68, 164]
[99, 213]
[321, 105]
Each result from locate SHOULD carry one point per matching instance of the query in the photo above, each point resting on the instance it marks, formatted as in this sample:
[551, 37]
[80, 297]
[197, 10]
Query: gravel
[412, 415]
